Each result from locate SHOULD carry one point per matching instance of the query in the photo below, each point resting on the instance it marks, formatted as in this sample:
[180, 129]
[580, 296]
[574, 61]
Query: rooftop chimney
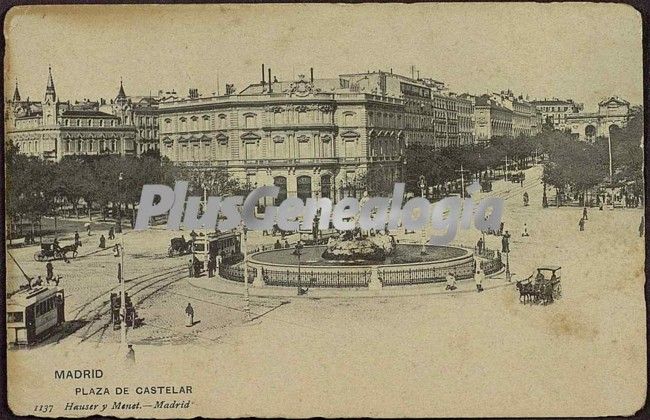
[270, 85]
[311, 71]
[263, 82]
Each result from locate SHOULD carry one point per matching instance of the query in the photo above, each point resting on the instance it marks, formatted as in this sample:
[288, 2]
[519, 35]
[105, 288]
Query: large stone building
[313, 137]
[525, 116]
[465, 119]
[52, 129]
[613, 112]
[555, 111]
[310, 138]
[491, 119]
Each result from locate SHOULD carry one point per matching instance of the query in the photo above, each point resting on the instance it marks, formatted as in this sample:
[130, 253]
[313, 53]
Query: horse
[69, 248]
[526, 291]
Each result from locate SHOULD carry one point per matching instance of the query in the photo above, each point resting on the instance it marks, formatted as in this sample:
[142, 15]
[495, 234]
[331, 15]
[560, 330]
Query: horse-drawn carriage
[544, 287]
[50, 250]
[179, 246]
[486, 185]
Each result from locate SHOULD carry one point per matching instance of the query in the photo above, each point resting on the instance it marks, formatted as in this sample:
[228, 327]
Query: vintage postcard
[335, 210]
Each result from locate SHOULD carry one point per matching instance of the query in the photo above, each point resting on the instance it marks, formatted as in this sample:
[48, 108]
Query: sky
[582, 51]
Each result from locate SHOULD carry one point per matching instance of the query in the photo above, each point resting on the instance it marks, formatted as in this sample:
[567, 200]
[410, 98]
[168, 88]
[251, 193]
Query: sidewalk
[221, 285]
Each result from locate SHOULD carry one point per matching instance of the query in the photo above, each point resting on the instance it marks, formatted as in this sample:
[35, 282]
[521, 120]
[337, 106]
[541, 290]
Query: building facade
[491, 119]
[52, 129]
[465, 119]
[310, 138]
[141, 112]
[613, 112]
[556, 111]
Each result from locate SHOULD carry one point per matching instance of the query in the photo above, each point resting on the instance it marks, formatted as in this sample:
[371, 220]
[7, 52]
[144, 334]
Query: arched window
[280, 182]
[304, 187]
[326, 186]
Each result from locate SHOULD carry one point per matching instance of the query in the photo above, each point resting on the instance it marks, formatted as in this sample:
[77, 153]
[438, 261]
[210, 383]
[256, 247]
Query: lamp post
[298, 252]
[247, 300]
[506, 250]
[122, 286]
[422, 184]
[462, 181]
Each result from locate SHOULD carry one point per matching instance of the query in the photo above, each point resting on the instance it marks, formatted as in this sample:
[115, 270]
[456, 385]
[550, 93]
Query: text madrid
[375, 213]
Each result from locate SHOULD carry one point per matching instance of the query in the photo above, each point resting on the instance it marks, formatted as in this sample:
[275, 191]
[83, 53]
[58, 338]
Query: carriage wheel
[39, 257]
[557, 293]
[170, 251]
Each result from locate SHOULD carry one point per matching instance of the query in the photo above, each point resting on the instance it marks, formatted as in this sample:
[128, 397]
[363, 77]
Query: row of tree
[36, 188]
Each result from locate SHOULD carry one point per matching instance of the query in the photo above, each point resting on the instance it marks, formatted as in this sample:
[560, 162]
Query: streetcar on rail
[34, 313]
[226, 244]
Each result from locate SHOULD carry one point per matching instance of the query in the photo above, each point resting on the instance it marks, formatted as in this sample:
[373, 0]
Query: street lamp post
[422, 184]
[247, 300]
[298, 252]
[122, 286]
[462, 181]
[506, 249]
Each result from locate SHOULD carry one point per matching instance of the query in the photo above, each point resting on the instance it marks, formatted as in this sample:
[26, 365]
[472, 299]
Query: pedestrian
[505, 243]
[451, 281]
[197, 266]
[277, 244]
[190, 266]
[286, 244]
[581, 224]
[212, 262]
[521, 182]
[38, 281]
[525, 232]
[501, 229]
[130, 356]
[479, 245]
[218, 261]
[50, 271]
[87, 226]
[189, 311]
[116, 250]
[102, 242]
[77, 240]
[584, 213]
[111, 233]
[479, 276]
[641, 227]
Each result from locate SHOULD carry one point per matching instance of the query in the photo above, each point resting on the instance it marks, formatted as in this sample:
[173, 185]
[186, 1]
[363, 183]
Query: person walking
[525, 232]
[189, 311]
[479, 245]
[102, 242]
[190, 267]
[505, 243]
[581, 224]
[87, 226]
[584, 213]
[641, 227]
[111, 233]
[479, 276]
[50, 271]
[212, 263]
[77, 240]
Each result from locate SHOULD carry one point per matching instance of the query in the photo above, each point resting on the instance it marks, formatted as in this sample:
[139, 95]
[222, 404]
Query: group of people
[479, 277]
[195, 266]
[278, 245]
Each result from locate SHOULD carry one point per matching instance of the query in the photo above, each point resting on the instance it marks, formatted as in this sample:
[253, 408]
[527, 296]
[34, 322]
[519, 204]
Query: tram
[227, 244]
[34, 313]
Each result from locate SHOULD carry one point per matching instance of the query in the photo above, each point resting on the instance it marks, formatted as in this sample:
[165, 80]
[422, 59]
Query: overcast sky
[580, 51]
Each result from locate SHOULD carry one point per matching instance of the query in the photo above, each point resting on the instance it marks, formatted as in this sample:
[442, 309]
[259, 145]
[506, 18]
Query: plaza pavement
[461, 354]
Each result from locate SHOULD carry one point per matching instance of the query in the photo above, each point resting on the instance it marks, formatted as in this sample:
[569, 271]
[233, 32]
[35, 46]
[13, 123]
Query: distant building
[613, 112]
[524, 113]
[52, 129]
[555, 111]
[466, 117]
[491, 119]
[140, 112]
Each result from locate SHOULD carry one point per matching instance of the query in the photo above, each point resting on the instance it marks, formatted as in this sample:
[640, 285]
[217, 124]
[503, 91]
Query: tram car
[34, 313]
[226, 244]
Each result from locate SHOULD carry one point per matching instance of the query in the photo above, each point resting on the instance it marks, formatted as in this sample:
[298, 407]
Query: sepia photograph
[324, 210]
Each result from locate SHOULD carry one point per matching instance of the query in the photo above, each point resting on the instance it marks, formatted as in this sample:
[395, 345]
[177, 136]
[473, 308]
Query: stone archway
[590, 132]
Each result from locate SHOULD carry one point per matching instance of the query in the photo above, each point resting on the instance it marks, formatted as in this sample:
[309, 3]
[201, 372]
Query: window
[304, 187]
[249, 121]
[14, 317]
[280, 182]
[222, 122]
